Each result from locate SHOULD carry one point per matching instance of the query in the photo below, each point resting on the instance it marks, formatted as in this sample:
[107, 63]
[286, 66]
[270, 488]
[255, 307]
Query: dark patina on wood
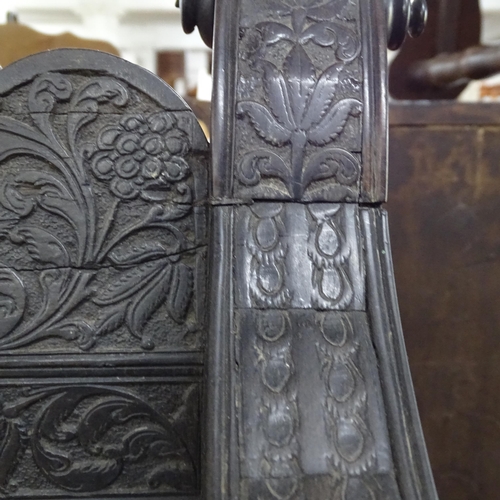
[102, 281]
[108, 206]
[309, 393]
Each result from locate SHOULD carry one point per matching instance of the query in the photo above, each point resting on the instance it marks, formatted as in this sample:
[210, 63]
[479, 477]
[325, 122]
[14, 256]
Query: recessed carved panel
[101, 239]
[63, 440]
[299, 101]
[312, 408]
[302, 256]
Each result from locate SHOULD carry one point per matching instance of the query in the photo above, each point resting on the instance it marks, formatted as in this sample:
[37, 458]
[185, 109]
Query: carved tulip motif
[300, 110]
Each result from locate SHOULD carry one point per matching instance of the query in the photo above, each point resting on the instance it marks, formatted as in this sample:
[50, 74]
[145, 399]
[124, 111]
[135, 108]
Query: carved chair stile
[117, 237]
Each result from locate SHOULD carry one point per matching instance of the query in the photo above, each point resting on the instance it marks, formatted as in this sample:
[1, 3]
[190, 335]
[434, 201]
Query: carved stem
[108, 222]
[299, 140]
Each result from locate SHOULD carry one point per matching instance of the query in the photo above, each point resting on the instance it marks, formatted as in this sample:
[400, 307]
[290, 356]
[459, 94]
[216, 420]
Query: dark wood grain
[444, 208]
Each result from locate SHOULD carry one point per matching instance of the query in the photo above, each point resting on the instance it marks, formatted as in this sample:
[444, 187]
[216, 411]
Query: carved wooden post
[309, 392]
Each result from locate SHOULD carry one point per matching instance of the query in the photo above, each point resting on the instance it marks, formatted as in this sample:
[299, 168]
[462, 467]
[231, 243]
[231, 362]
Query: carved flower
[142, 156]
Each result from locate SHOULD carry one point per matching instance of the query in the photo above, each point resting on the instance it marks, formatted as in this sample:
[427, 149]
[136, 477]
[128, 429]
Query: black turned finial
[198, 13]
[405, 17]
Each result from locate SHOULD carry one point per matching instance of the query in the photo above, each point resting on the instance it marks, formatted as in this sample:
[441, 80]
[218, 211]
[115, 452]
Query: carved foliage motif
[300, 106]
[279, 413]
[86, 438]
[137, 158]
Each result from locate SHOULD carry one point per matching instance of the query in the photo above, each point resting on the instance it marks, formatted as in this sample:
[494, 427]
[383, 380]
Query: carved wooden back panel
[102, 281]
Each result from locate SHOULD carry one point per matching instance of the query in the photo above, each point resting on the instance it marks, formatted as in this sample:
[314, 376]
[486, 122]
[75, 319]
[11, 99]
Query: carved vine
[300, 106]
[137, 158]
[83, 437]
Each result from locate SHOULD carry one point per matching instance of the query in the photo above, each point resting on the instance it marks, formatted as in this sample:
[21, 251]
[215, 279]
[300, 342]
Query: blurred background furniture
[444, 207]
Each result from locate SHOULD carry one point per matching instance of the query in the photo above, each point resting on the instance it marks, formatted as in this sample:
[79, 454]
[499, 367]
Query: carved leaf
[46, 90]
[10, 447]
[53, 195]
[13, 200]
[322, 97]
[180, 292]
[103, 415]
[77, 329]
[43, 246]
[85, 104]
[334, 121]
[82, 475]
[277, 95]
[148, 442]
[334, 162]
[111, 320]
[129, 283]
[260, 163]
[274, 32]
[301, 78]
[99, 437]
[319, 33]
[264, 123]
[146, 302]
[12, 301]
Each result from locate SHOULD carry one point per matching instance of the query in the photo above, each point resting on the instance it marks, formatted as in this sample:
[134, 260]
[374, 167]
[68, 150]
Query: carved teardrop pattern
[279, 415]
[329, 253]
[268, 259]
[341, 381]
[266, 234]
[327, 240]
[345, 404]
[276, 370]
[350, 440]
[272, 325]
[282, 488]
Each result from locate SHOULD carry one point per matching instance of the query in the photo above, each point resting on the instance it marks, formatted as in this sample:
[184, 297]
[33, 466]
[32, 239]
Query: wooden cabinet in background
[444, 213]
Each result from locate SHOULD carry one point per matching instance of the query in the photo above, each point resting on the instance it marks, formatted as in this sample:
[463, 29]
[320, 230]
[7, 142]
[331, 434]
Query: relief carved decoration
[96, 213]
[88, 438]
[302, 256]
[302, 106]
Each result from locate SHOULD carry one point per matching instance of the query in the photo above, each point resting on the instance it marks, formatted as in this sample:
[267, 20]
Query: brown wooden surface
[18, 41]
[444, 208]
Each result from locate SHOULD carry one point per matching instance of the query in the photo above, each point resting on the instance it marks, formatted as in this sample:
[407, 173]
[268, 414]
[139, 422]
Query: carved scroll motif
[85, 438]
[59, 215]
[300, 104]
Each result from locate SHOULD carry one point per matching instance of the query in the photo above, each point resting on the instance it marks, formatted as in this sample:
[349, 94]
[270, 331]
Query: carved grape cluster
[142, 157]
